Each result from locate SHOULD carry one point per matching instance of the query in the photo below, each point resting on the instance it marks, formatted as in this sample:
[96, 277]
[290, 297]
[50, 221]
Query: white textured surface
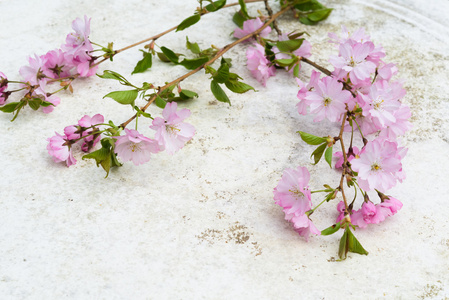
[202, 224]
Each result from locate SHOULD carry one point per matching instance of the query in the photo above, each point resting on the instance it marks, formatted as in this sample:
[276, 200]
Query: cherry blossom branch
[270, 13]
[212, 60]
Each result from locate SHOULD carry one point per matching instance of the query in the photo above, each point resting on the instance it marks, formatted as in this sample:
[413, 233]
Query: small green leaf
[162, 57]
[144, 64]
[123, 97]
[192, 64]
[344, 245]
[311, 139]
[222, 74]
[186, 94]
[309, 5]
[35, 103]
[318, 153]
[216, 5]
[218, 92]
[319, 15]
[285, 62]
[354, 244]
[243, 8]
[46, 104]
[289, 45]
[10, 107]
[328, 156]
[107, 74]
[142, 113]
[160, 102]
[192, 46]
[238, 86]
[105, 156]
[188, 22]
[170, 55]
[239, 18]
[331, 230]
[296, 71]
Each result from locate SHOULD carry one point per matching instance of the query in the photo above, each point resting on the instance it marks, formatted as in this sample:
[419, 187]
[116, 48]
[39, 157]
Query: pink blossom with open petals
[59, 148]
[258, 64]
[328, 100]
[89, 125]
[171, 132]
[33, 73]
[357, 36]
[392, 205]
[56, 64]
[79, 40]
[304, 226]
[135, 147]
[249, 26]
[303, 104]
[378, 166]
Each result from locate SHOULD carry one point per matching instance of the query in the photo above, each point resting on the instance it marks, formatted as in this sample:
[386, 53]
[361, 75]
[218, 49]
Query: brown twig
[270, 13]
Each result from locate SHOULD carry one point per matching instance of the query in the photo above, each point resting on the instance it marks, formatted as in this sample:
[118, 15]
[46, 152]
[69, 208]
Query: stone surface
[202, 224]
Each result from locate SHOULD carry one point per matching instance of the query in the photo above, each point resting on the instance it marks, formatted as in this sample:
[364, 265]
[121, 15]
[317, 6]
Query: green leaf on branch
[35, 103]
[186, 94]
[285, 62]
[349, 243]
[11, 107]
[344, 245]
[328, 156]
[331, 230]
[160, 102]
[105, 156]
[318, 153]
[319, 15]
[188, 22]
[216, 5]
[238, 86]
[144, 64]
[192, 46]
[296, 70]
[123, 97]
[218, 92]
[192, 64]
[222, 74]
[239, 18]
[289, 45]
[244, 9]
[312, 12]
[170, 55]
[311, 139]
[107, 74]
[142, 113]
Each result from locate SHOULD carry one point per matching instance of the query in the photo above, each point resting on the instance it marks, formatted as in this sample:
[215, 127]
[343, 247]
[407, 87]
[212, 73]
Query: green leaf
[35, 103]
[123, 97]
[105, 156]
[142, 113]
[10, 107]
[170, 55]
[319, 15]
[238, 86]
[144, 64]
[160, 102]
[239, 18]
[311, 139]
[285, 62]
[289, 45]
[188, 22]
[216, 5]
[306, 21]
[318, 153]
[218, 92]
[328, 156]
[296, 71]
[162, 57]
[309, 5]
[354, 244]
[186, 94]
[244, 9]
[46, 104]
[344, 245]
[331, 230]
[222, 74]
[107, 74]
[192, 64]
[192, 46]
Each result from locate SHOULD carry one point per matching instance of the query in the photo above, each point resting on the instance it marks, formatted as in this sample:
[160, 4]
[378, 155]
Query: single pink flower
[3, 87]
[303, 89]
[378, 165]
[249, 26]
[33, 73]
[171, 132]
[328, 100]
[357, 36]
[391, 204]
[79, 40]
[59, 148]
[258, 64]
[56, 64]
[401, 126]
[292, 192]
[304, 226]
[341, 208]
[135, 147]
[88, 125]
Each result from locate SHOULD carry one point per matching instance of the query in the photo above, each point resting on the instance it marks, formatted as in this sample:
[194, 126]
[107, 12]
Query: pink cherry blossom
[59, 148]
[303, 225]
[292, 192]
[378, 166]
[391, 204]
[258, 64]
[171, 132]
[251, 25]
[352, 59]
[303, 89]
[135, 147]
[33, 73]
[88, 124]
[3, 87]
[341, 208]
[328, 100]
[56, 64]
[350, 156]
[400, 126]
[357, 36]
[79, 40]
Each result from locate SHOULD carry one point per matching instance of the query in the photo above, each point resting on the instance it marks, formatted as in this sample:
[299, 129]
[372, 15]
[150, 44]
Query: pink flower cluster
[293, 195]
[171, 134]
[257, 61]
[74, 57]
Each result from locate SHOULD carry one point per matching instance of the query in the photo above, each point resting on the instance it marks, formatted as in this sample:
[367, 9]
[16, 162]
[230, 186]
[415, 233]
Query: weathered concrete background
[202, 224]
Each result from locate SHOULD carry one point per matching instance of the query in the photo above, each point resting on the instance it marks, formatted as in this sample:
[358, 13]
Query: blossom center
[352, 63]
[297, 193]
[378, 104]
[327, 101]
[134, 147]
[172, 129]
[376, 167]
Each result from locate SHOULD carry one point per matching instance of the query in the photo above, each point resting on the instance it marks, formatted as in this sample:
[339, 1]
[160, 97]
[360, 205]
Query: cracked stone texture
[202, 224]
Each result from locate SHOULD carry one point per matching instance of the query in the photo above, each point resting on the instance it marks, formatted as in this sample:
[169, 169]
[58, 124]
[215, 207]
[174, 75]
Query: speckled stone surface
[202, 224]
